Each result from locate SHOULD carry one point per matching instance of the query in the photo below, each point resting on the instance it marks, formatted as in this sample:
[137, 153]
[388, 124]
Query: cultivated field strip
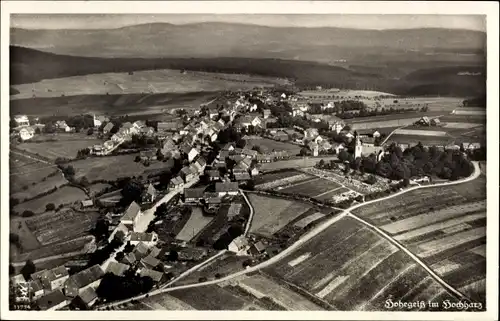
[284, 181]
[448, 242]
[311, 188]
[309, 219]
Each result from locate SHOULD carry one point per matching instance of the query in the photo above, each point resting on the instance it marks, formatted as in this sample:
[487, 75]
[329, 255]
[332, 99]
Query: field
[268, 145]
[271, 213]
[44, 184]
[25, 173]
[425, 140]
[65, 224]
[151, 81]
[55, 149]
[112, 167]
[294, 163]
[447, 231]
[273, 176]
[74, 245]
[64, 195]
[349, 267]
[419, 132]
[197, 221]
[96, 188]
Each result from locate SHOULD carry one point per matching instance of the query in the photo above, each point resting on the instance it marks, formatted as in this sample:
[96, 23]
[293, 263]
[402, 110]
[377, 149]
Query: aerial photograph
[247, 162]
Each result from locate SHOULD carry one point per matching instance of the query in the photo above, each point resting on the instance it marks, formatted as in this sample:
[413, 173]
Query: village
[211, 155]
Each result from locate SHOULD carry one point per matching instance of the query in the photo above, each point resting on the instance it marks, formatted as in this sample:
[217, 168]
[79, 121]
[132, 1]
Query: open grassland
[294, 163]
[349, 267]
[271, 213]
[315, 187]
[60, 148]
[44, 184]
[63, 195]
[444, 226]
[197, 221]
[269, 145]
[151, 81]
[26, 172]
[63, 225]
[112, 167]
[96, 188]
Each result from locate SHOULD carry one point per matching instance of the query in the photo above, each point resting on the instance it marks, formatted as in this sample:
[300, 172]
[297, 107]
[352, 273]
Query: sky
[368, 21]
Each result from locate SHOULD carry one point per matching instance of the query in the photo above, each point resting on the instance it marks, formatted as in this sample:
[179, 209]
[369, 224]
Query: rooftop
[88, 295]
[194, 192]
[226, 187]
[87, 276]
[155, 275]
[132, 211]
[117, 268]
[141, 237]
[51, 300]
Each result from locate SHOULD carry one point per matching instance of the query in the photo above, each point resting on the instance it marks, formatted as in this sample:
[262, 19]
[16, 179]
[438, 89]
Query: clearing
[197, 221]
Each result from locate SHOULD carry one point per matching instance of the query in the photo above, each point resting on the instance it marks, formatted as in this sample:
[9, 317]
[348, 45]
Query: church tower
[358, 149]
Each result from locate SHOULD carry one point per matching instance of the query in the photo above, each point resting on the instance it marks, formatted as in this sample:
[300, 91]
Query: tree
[50, 207]
[132, 192]
[38, 131]
[69, 171]
[119, 256]
[303, 151]
[159, 155]
[28, 269]
[12, 269]
[119, 236]
[343, 156]
[173, 256]
[90, 131]
[137, 159]
[27, 213]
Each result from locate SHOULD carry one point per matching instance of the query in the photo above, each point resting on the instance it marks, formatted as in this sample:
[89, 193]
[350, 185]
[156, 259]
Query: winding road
[313, 233]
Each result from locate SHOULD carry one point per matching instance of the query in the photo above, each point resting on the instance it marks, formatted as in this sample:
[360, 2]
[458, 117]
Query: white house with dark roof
[131, 216]
[226, 188]
[149, 239]
[21, 120]
[26, 133]
[109, 126]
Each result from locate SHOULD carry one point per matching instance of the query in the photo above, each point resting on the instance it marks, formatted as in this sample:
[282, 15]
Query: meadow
[64, 195]
[196, 223]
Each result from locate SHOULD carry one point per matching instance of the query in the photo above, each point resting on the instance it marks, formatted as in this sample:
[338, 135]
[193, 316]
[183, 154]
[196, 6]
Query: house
[248, 120]
[266, 113]
[129, 258]
[19, 278]
[200, 164]
[435, 122]
[155, 275]
[21, 120]
[99, 120]
[228, 146]
[314, 147]
[139, 124]
[26, 133]
[117, 268]
[154, 251]
[238, 245]
[325, 145]
[311, 133]
[86, 299]
[149, 194]
[54, 278]
[108, 128]
[192, 254]
[226, 188]
[147, 131]
[375, 134]
[280, 136]
[140, 251]
[254, 171]
[241, 177]
[150, 262]
[131, 215]
[193, 195]
[87, 203]
[52, 301]
[119, 228]
[82, 280]
[61, 125]
[264, 158]
[149, 239]
[213, 175]
[190, 152]
[319, 139]
[337, 148]
[257, 248]
[175, 183]
[187, 174]
[36, 289]
[172, 126]
[368, 141]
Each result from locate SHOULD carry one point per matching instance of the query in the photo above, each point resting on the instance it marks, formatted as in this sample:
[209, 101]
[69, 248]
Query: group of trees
[374, 112]
[101, 255]
[225, 239]
[82, 153]
[113, 287]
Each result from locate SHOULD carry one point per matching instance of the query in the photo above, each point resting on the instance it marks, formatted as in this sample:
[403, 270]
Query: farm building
[155, 275]
[172, 126]
[150, 262]
[238, 245]
[120, 227]
[311, 133]
[193, 195]
[149, 239]
[19, 278]
[149, 194]
[21, 120]
[176, 182]
[82, 280]
[117, 268]
[129, 258]
[200, 164]
[266, 113]
[86, 299]
[141, 250]
[257, 248]
[131, 215]
[87, 203]
[52, 301]
[99, 120]
[154, 251]
[61, 125]
[226, 188]
[26, 133]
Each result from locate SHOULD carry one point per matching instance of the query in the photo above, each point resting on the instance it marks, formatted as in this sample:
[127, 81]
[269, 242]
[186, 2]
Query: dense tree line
[113, 287]
[374, 112]
[475, 102]
[101, 255]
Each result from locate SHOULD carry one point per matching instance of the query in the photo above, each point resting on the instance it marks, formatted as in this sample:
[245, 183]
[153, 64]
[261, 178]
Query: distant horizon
[351, 21]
